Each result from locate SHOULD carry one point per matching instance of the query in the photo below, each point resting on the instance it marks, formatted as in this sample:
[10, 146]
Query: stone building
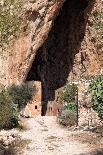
[33, 108]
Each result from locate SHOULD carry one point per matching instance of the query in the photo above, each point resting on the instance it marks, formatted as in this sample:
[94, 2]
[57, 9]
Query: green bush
[70, 106]
[11, 100]
[67, 117]
[11, 21]
[68, 113]
[96, 90]
[21, 94]
[8, 111]
[69, 93]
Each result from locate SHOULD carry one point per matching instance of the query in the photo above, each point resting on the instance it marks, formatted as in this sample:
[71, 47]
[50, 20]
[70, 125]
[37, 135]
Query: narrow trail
[48, 138]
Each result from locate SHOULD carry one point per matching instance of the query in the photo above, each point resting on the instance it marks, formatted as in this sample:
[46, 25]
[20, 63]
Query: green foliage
[11, 22]
[96, 90]
[21, 94]
[67, 117]
[11, 100]
[8, 111]
[69, 106]
[68, 94]
[68, 113]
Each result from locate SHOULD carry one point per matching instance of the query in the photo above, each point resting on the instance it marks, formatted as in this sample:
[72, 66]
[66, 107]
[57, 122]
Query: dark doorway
[54, 60]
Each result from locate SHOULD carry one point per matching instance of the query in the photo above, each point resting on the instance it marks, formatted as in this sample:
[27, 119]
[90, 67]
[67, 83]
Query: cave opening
[54, 60]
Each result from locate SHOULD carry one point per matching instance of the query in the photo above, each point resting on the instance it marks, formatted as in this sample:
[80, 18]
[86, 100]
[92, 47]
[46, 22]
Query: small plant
[69, 93]
[67, 117]
[96, 90]
[11, 100]
[68, 113]
[69, 106]
[8, 111]
[21, 94]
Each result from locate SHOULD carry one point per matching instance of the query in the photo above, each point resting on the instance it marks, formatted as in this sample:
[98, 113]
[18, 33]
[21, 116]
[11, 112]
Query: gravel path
[48, 138]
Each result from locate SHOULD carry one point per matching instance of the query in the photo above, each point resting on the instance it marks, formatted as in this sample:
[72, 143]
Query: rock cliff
[61, 42]
[17, 60]
[68, 36]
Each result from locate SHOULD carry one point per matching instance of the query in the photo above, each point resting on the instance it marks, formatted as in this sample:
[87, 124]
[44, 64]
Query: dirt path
[48, 138]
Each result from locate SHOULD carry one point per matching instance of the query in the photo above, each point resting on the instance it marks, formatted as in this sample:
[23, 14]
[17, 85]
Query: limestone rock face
[72, 34]
[40, 15]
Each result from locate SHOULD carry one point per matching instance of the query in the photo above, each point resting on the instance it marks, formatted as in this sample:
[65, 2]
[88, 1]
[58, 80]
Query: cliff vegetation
[11, 21]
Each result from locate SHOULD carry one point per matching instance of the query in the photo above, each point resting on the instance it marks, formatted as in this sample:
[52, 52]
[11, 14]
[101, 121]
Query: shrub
[11, 100]
[67, 117]
[69, 93]
[21, 94]
[96, 90]
[70, 106]
[8, 111]
[68, 114]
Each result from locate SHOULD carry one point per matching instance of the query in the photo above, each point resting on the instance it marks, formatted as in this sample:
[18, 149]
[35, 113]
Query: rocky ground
[44, 136]
[7, 141]
[49, 138]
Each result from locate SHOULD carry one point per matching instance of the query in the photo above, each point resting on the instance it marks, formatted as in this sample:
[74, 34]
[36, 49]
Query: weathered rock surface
[69, 53]
[7, 141]
[60, 45]
[40, 16]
